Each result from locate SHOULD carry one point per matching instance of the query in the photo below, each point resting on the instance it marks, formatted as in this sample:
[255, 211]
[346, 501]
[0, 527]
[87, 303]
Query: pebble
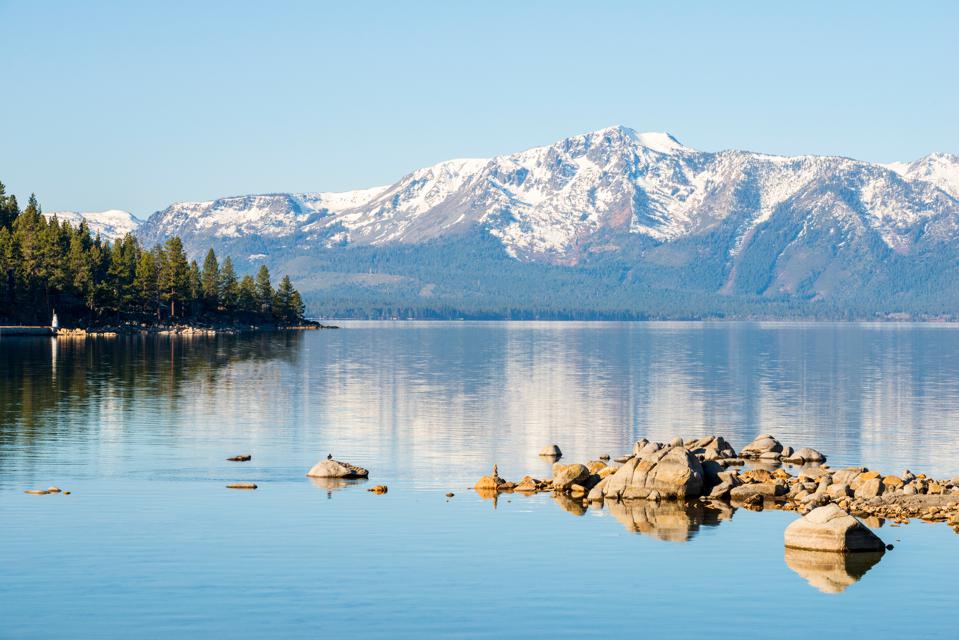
[450, 494]
[242, 458]
[241, 485]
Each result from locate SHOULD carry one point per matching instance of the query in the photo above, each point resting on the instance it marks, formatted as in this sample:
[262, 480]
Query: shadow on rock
[831, 571]
[670, 520]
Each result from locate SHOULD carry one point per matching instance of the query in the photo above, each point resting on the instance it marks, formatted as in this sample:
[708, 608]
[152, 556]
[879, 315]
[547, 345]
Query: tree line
[48, 265]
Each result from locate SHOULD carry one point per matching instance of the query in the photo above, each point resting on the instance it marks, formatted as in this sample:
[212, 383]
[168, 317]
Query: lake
[151, 544]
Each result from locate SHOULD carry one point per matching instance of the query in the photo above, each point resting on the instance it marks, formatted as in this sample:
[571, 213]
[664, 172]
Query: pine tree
[283, 300]
[174, 283]
[297, 307]
[264, 290]
[246, 295]
[145, 281]
[229, 288]
[195, 286]
[210, 280]
[8, 208]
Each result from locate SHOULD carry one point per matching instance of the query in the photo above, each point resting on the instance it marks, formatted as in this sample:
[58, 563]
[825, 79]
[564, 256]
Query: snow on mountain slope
[941, 169]
[554, 202]
[110, 224]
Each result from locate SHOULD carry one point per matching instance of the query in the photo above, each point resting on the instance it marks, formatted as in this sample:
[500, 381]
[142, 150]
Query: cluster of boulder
[709, 469]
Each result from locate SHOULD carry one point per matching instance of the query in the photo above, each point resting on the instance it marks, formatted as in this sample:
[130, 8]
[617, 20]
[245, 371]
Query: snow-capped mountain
[641, 208]
[940, 169]
[110, 224]
[547, 203]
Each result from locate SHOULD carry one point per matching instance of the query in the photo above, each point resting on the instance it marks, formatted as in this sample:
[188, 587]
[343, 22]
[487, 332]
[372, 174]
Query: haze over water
[151, 543]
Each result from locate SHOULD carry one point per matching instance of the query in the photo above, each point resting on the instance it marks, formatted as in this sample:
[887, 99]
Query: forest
[49, 266]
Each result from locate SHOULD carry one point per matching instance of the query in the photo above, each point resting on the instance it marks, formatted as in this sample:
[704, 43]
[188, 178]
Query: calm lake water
[150, 543]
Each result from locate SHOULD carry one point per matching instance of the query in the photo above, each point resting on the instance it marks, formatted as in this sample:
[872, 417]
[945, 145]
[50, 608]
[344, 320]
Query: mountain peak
[660, 141]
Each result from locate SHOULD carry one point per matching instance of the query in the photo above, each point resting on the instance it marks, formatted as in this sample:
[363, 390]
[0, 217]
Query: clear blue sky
[136, 105]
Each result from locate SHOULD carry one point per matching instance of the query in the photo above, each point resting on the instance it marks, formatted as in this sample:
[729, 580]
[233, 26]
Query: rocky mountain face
[639, 212]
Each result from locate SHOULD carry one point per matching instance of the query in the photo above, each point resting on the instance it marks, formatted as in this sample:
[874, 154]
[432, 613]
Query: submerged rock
[829, 528]
[241, 485]
[336, 469]
[378, 489]
[241, 458]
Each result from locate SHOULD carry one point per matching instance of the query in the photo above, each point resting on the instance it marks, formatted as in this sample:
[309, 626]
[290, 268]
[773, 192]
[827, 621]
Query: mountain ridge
[656, 219]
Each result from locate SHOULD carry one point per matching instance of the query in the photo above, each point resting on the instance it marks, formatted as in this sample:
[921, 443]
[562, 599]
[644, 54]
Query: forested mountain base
[48, 266]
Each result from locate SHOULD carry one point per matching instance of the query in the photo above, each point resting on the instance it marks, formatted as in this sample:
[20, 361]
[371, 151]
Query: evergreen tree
[174, 276]
[210, 280]
[195, 287]
[246, 295]
[264, 290]
[297, 307]
[8, 208]
[145, 281]
[229, 288]
[283, 301]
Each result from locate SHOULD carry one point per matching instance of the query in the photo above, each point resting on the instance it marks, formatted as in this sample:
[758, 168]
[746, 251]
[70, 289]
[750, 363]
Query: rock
[649, 449]
[66, 493]
[566, 475]
[596, 493]
[676, 442]
[378, 489]
[870, 488]
[241, 458]
[450, 494]
[763, 489]
[241, 485]
[490, 483]
[622, 459]
[577, 491]
[809, 455]
[336, 469]
[528, 484]
[639, 445]
[37, 492]
[787, 455]
[551, 451]
[892, 482]
[846, 476]
[53, 489]
[604, 457]
[595, 466]
[607, 471]
[770, 455]
[764, 443]
[672, 472]
[829, 528]
[836, 491]
[864, 477]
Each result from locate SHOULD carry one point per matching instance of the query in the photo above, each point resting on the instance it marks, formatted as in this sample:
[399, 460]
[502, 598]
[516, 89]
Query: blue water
[151, 544]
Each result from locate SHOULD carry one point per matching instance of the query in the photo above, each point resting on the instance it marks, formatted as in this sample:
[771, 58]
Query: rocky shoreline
[113, 331]
[710, 472]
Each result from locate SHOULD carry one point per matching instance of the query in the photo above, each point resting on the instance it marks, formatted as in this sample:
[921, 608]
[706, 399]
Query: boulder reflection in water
[670, 520]
[828, 571]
